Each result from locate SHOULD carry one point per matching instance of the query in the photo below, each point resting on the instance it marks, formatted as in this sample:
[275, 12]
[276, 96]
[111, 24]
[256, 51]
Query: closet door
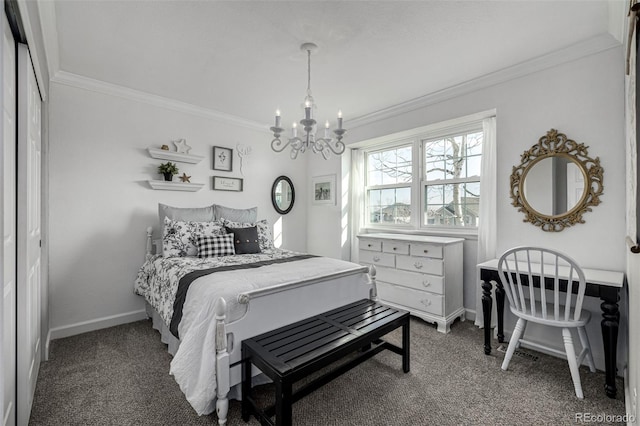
[8, 225]
[29, 229]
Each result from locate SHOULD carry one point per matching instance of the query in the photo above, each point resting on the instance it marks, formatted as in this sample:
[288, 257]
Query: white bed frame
[302, 299]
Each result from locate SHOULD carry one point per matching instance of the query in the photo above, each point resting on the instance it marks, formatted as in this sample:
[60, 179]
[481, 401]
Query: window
[451, 185]
[441, 188]
[388, 180]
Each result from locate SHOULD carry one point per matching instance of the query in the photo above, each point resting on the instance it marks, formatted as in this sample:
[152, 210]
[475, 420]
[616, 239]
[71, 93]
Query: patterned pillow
[215, 246]
[265, 237]
[179, 238]
[245, 240]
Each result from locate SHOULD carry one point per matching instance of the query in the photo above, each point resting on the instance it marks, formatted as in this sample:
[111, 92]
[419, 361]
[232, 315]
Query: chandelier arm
[327, 143]
[276, 142]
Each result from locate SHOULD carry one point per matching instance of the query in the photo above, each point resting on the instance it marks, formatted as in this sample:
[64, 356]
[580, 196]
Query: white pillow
[179, 238]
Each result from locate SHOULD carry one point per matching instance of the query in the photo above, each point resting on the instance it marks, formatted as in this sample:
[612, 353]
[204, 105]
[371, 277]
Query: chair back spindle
[517, 268]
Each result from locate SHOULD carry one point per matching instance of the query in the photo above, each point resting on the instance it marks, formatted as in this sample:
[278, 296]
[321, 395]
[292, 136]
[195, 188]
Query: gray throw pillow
[235, 215]
[185, 214]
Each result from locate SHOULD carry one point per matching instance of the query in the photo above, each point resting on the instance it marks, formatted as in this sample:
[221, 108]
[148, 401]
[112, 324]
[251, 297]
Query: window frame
[462, 130]
[417, 139]
[387, 147]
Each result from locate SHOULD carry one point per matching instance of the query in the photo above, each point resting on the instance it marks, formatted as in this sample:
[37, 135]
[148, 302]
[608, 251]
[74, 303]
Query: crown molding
[74, 80]
[571, 53]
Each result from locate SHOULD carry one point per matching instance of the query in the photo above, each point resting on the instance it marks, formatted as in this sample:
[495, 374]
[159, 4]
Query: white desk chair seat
[549, 319]
[518, 265]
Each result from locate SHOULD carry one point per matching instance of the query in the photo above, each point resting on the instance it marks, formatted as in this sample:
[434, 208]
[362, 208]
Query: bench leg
[246, 388]
[283, 404]
[405, 347]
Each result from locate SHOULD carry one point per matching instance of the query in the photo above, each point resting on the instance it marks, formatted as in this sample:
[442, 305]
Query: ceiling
[242, 58]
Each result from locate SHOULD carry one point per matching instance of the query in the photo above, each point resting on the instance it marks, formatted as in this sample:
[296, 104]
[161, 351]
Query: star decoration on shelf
[181, 146]
[185, 178]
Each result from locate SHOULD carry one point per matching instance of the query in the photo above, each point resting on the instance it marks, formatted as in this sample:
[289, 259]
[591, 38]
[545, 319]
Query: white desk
[600, 283]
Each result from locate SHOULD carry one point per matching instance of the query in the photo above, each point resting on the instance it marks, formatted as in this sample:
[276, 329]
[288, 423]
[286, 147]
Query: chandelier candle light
[325, 145]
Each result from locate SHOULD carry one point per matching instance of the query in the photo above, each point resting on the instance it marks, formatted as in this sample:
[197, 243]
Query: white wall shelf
[162, 154]
[175, 186]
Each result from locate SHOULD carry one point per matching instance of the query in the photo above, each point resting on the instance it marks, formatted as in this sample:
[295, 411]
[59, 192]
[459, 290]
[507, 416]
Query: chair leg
[513, 342]
[584, 340]
[573, 362]
[524, 330]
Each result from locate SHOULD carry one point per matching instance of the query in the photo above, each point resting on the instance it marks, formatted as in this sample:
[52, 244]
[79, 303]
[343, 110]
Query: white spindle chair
[559, 309]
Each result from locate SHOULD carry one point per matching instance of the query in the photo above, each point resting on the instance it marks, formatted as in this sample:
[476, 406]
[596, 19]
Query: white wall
[583, 99]
[101, 203]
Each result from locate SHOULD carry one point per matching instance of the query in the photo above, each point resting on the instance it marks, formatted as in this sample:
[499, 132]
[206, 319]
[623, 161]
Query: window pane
[389, 206]
[453, 157]
[460, 207]
[473, 166]
[474, 143]
[389, 167]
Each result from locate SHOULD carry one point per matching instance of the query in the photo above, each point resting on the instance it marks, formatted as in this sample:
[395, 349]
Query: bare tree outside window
[452, 180]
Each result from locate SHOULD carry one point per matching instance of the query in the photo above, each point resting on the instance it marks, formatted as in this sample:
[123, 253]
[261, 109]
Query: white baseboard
[96, 324]
[470, 314]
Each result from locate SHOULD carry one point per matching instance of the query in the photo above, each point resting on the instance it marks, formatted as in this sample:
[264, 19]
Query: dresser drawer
[430, 283]
[425, 265]
[418, 300]
[395, 247]
[382, 259]
[426, 250]
[371, 245]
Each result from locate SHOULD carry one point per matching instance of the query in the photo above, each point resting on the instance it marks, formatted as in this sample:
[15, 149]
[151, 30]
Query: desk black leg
[487, 305]
[283, 404]
[405, 347]
[609, 324]
[500, 309]
[246, 387]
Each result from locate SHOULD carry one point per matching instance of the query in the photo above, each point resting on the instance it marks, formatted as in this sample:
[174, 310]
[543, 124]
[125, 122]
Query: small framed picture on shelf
[222, 183]
[222, 159]
[324, 189]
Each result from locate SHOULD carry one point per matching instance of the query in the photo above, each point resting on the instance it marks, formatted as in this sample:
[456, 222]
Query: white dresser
[417, 273]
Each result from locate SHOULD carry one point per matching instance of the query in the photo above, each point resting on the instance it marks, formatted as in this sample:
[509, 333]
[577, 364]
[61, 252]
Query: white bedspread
[194, 363]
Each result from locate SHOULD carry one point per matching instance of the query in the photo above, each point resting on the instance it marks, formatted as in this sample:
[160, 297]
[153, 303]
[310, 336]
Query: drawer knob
[395, 248]
[376, 259]
[418, 265]
[426, 302]
[425, 250]
[426, 283]
[368, 245]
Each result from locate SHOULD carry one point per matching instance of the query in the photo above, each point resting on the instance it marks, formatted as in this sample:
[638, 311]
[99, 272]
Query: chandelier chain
[309, 72]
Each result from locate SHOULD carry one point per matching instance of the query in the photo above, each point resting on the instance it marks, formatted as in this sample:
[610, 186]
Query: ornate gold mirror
[556, 182]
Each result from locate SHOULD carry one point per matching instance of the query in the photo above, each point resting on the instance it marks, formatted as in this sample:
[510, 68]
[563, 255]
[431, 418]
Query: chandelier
[309, 138]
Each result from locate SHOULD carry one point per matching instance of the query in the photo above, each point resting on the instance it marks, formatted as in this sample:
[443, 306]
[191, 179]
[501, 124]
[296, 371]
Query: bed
[205, 307]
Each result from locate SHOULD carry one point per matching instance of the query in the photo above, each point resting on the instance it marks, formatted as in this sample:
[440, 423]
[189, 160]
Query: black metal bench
[293, 352]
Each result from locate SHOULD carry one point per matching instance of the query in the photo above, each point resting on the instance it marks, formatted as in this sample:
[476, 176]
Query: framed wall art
[222, 158]
[222, 183]
[324, 189]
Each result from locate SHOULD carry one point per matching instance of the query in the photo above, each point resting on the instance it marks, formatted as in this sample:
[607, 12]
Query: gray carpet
[119, 376]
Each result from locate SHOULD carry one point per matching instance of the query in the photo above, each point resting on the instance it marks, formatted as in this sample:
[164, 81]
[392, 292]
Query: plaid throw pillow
[215, 246]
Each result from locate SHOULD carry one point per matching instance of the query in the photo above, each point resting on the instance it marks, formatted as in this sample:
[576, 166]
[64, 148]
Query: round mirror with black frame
[556, 182]
[283, 195]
